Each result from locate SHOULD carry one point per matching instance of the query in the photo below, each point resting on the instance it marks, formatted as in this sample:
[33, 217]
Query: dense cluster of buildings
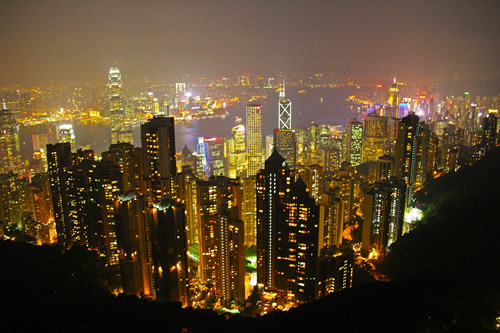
[174, 221]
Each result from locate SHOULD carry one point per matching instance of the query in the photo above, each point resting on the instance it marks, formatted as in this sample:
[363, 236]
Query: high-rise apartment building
[134, 245]
[297, 247]
[158, 145]
[59, 165]
[254, 138]
[273, 183]
[220, 236]
[410, 160]
[489, 140]
[169, 250]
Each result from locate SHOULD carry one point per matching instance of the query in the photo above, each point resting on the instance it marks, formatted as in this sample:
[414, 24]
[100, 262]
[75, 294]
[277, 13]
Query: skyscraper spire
[282, 90]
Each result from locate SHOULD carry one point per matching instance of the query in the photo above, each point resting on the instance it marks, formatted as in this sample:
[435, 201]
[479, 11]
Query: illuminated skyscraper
[285, 111]
[375, 136]
[297, 246]
[383, 211]
[254, 138]
[221, 236]
[120, 129]
[67, 134]
[169, 249]
[285, 144]
[10, 152]
[354, 142]
[249, 210]
[237, 151]
[134, 245]
[489, 139]
[215, 157]
[273, 183]
[158, 144]
[59, 165]
[410, 160]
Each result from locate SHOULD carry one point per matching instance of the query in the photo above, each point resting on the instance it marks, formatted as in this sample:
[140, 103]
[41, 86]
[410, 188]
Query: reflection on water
[321, 105]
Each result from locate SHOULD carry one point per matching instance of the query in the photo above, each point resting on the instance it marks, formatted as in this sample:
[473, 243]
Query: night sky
[79, 40]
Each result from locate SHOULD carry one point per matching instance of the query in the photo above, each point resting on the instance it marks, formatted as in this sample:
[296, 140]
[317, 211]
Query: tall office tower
[383, 211]
[393, 102]
[84, 201]
[67, 134]
[169, 249]
[335, 270]
[374, 137]
[59, 165]
[254, 138]
[392, 134]
[284, 111]
[10, 151]
[110, 185]
[158, 145]
[215, 157]
[385, 167]
[273, 182]
[354, 142]
[187, 194]
[237, 150]
[216, 199]
[201, 165]
[489, 140]
[285, 144]
[297, 247]
[410, 158]
[129, 159]
[120, 129]
[249, 210]
[134, 245]
[330, 219]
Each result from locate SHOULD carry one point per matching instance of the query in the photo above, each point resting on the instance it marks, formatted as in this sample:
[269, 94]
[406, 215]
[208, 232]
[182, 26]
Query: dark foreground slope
[444, 277]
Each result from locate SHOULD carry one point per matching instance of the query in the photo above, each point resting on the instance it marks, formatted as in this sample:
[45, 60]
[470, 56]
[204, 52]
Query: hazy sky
[80, 40]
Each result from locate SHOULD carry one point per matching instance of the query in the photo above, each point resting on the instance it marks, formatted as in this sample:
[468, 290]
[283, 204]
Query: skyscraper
[59, 164]
[254, 138]
[169, 249]
[158, 144]
[297, 246]
[134, 245]
[489, 139]
[120, 129]
[285, 144]
[10, 151]
[354, 142]
[410, 160]
[285, 111]
[273, 182]
[236, 152]
[374, 137]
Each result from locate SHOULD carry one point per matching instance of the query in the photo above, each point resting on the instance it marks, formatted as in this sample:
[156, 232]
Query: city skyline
[53, 40]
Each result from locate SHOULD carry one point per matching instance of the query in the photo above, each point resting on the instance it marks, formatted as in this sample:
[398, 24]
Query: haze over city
[160, 40]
